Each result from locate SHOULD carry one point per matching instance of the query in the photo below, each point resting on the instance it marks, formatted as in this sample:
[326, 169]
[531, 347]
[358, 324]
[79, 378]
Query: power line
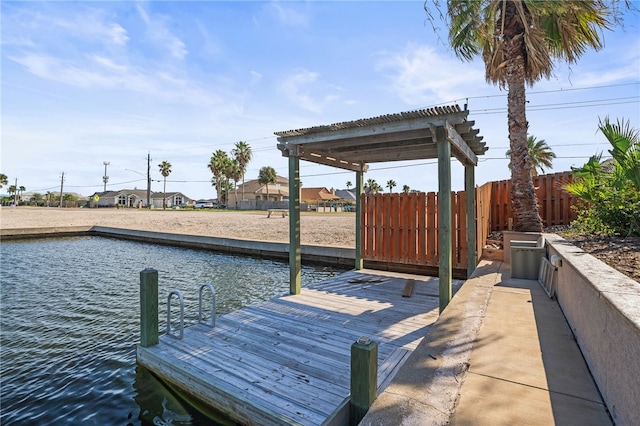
[503, 95]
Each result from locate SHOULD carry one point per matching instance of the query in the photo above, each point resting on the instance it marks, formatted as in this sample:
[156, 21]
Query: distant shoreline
[318, 229]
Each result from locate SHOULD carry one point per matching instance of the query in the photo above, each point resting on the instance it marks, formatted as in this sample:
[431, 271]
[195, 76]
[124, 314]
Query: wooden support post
[470, 190]
[359, 214]
[364, 378]
[444, 216]
[148, 307]
[295, 252]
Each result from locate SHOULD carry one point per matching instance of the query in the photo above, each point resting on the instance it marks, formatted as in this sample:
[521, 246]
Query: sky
[85, 83]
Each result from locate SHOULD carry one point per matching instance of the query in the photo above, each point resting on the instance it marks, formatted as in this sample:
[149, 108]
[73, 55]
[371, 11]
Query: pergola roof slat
[392, 137]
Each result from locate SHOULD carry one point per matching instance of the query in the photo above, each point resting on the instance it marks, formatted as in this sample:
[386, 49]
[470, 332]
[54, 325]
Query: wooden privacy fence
[555, 204]
[403, 228]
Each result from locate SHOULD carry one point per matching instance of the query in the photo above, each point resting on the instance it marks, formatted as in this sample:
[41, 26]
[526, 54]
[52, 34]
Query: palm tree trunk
[523, 196]
[164, 194]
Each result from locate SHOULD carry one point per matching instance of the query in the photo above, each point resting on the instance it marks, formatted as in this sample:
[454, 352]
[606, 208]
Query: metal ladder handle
[213, 304]
[176, 293]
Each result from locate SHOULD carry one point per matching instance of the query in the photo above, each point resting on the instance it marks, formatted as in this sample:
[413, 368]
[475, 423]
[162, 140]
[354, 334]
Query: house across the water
[137, 198]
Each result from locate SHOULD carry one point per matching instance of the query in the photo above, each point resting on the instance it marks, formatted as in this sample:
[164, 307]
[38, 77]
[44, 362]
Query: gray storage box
[526, 257]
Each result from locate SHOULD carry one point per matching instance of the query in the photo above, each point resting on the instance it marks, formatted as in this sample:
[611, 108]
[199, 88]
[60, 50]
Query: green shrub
[611, 188]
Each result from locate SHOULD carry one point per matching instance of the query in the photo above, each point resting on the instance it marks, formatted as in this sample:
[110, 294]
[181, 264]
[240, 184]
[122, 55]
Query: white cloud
[108, 63]
[420, 76]
[289, 16]
[625, 67]
[103, 73]
[158, 31]
[298, 88]
[256, 77]
[118, 34]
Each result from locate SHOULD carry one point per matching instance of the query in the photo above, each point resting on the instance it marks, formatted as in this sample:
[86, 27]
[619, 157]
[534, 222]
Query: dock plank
[287, 360]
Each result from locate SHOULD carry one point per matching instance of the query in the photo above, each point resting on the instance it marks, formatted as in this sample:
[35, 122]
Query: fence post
[364, 378]
[148, 307]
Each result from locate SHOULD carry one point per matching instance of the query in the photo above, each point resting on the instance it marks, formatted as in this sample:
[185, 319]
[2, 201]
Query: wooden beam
[295, 252]
[465, 127]
[369, 145]
[408, 287]
[359, 215]
[464, 153]
[376, 129]
[444, 216]
[470, 191]
[354, 142]
[404, 154]
[148, 307]
[332, 160]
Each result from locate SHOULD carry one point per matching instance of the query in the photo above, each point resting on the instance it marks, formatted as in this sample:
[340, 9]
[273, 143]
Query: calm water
[70, 322]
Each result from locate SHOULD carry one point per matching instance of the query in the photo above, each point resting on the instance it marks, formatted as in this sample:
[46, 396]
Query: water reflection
[69, 321]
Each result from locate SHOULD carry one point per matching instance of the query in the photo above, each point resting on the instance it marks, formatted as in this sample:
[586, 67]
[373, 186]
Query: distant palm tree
[372, 186]
[37, 199]
[165, 170]
[235, 173]
[519, 42]
[405, 189]
[3, 180]
[540, 155]
[349, 184]
[242, 153]
[218, 165]
[391, 184]
[267, 176]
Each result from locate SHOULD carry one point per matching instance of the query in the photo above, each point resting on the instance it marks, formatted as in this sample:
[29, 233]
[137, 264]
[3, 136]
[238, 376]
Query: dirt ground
[620, 253]
[324, 229]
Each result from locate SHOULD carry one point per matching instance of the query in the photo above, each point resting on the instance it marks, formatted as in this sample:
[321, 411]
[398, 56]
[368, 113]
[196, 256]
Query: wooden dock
[287, 360]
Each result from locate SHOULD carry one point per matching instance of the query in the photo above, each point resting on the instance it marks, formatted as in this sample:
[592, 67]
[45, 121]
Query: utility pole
[148, 180]
[61, 186]
[105, 178]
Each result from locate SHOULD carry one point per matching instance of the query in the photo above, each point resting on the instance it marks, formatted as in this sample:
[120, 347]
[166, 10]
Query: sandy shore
[325, 229]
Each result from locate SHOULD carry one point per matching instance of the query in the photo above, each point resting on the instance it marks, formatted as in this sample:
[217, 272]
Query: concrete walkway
[500, 354]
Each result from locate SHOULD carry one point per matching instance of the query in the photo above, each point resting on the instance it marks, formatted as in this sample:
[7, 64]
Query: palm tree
[611, 187]
[21, 190]
[391, 184]
[165, 170]
[625, 141]
[372, 186]
[3, 180]
[242, 153]
[37, 198]
[519, 41]
[267, 176]
[235, 172]
[349, 184]
[218, 165]
[405, 189]
[540, 155]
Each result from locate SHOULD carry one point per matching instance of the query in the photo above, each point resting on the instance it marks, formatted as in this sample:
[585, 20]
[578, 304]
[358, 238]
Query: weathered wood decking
[287, 360]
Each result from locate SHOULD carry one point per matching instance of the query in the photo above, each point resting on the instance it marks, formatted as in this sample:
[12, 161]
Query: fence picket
[403, 228]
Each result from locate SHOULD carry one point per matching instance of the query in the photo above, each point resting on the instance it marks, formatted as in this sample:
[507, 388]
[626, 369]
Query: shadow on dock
[287, 360]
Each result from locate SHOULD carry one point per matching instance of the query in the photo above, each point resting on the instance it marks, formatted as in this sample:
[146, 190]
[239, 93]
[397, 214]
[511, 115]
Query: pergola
[440, 132]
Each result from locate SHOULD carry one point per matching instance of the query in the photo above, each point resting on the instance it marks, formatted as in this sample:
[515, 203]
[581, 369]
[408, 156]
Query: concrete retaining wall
[602, 307]
[331, 256]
